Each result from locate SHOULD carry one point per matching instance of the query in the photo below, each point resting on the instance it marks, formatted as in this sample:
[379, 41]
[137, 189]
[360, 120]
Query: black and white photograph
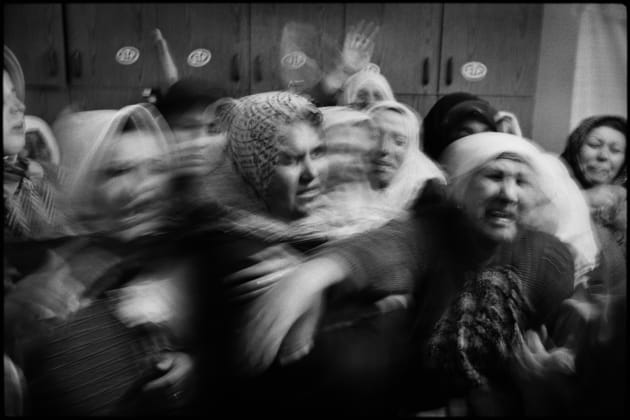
[315, 209]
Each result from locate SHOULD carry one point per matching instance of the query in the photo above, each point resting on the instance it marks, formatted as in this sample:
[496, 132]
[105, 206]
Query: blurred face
[297, 178]
[497, 197]
[13, 139]
[131, 184]
[192, 124]
[602, 155]
[392, 144]
[466, 128]
[368, 94]
[347, 152]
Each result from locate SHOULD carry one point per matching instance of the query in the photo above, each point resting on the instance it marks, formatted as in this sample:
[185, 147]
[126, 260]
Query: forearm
[385, 259]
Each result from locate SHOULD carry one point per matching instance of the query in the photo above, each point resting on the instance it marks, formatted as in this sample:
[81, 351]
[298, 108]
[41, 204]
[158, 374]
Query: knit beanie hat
[253, 124]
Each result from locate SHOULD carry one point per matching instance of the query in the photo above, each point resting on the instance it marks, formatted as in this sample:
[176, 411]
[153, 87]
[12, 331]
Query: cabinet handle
[425, 72]
[77, 69]
[234, 72]
[258, 69]
[449, 71]
[53, 67]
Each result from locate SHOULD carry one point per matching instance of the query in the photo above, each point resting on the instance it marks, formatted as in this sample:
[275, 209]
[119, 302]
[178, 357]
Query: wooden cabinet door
[503, 37]
[34, 32]
[97, 33]
[222, 29]
[407, 45]
[321, 31]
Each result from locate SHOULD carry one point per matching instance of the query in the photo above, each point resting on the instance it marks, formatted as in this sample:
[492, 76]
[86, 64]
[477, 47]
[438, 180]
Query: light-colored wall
[556, 68]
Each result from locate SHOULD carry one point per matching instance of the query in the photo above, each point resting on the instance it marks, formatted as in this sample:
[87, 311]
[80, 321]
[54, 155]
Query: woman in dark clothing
[478, 271]
[454, 116]
[596, 155]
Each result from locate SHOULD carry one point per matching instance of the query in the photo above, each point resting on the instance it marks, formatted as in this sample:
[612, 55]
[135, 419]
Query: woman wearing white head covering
[127, 271]
[364, 88]
[413, 169]
[561, 209]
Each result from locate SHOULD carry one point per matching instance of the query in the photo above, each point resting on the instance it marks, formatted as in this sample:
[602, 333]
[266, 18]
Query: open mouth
[500, 217]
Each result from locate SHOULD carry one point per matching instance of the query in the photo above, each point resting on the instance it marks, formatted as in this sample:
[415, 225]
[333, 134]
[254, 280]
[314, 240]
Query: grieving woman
[596, 155]
[399, 169]
[364, 88]
[484, 278]
[105, 327]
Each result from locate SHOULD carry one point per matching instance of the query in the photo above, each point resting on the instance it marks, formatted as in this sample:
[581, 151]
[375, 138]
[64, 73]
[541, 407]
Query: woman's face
[392, 143]
[467, 128]
[602, 155]
[297, 180]
[498, 195]
[368, 94]
[348, 147]
[131, 184]
[13, 139]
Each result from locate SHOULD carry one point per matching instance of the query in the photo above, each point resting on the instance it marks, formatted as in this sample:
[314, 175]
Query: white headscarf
[355, 82]
[416, 168]
[85, 139]
[565, 214]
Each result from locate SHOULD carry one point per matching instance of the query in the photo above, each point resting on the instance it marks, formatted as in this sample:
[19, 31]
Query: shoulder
[549, 248]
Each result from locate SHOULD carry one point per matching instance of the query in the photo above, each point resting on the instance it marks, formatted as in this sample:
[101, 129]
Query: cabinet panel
[89, 98]
[504, 37]
[46, 103]
[521, 106]
[421, 103]
[34, 32]
[317, 30]
[96, 32]
[407, 45]
[222, 29]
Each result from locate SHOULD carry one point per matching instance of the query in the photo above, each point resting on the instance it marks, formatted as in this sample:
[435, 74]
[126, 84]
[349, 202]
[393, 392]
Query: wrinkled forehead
[510, 163]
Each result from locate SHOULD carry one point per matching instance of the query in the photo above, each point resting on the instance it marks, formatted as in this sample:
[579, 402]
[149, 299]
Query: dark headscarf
[577, 139]
[449, 111]
[186, 95]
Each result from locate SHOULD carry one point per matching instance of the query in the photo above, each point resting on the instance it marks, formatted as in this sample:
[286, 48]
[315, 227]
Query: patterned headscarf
[449, 111]
[578, 137]
[355, 82]
[475, 339]
[253, 124]
[416, 167]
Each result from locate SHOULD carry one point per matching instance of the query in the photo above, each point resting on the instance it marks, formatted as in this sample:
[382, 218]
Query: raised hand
[358, 46]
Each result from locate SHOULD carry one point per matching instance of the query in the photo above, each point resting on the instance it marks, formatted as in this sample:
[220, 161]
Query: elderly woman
[365, 88]
[105, 327]
[477, 268]
[29, 187]
[596, 155]
[276, 147]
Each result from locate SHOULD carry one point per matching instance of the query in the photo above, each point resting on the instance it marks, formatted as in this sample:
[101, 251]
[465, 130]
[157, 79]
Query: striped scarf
[30, 210]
